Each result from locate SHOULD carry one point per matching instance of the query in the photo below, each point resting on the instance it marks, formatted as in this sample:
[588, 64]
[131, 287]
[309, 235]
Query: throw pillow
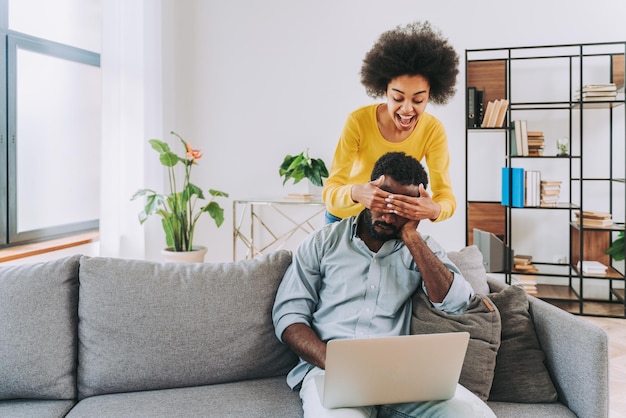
[482, 320]
[38, 323]
[520, 374]
[470, 261]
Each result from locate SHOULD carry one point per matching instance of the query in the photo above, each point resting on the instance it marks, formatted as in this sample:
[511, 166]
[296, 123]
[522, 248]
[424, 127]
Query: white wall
[250, 81]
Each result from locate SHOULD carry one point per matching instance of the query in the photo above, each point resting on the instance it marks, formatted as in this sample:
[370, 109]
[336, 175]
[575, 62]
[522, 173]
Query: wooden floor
[616, 329]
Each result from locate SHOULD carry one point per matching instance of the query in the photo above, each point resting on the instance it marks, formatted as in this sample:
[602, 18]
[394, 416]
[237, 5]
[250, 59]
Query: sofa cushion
[38, 323]
[146, 325]
[521, 374]
[482, 320]
[269, 397]
[470, 261]
[35, 408]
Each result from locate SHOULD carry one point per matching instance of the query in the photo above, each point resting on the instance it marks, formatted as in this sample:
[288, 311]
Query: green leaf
[159, 146]
[301, 166]
[616, 250]
[217, 193]
[191, 190]
[169, 159]
[216, 212]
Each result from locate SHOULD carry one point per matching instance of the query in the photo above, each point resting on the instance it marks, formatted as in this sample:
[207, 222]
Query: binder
[513, 187]
[472, 108]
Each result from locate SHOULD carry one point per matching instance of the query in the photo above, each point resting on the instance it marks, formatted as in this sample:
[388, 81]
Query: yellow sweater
[360, 146]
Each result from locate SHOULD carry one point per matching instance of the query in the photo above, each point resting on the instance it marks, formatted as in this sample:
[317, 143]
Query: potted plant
[298, 167]
[178, 209]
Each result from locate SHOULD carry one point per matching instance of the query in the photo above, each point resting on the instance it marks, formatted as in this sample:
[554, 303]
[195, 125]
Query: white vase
[196, 255]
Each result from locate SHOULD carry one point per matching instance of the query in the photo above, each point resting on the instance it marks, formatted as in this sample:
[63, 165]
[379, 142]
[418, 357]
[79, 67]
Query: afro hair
[415, 49]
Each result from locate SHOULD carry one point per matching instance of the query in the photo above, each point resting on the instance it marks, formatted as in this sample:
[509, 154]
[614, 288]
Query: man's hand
[437, 278]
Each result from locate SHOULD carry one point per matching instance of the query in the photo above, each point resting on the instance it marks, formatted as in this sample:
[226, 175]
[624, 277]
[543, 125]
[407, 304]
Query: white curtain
[132, 114]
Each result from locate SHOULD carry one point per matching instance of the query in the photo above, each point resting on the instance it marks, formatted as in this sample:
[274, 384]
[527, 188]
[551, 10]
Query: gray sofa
[90, 336]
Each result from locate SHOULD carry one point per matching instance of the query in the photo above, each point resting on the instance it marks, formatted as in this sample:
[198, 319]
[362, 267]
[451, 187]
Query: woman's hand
[370, 196]
[413, 208]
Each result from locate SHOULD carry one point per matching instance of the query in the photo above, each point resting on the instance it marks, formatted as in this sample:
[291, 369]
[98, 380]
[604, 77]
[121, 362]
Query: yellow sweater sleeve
[361, 145]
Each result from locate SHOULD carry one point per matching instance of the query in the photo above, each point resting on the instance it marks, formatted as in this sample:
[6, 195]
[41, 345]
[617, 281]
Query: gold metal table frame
[252, 227]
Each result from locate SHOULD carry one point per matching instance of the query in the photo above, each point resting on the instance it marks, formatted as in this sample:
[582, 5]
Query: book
[532, 179]
[592, 267]
[512, 187]
[491, 122]
[503, 106]
[596, 223]
[488, 113]
[480, 105]
[299, 197]
[598, 87]
[516, 138]
[524, 136]
[594, 214]
[522, 259]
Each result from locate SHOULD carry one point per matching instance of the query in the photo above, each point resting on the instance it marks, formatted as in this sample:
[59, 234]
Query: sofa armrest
[576, 356]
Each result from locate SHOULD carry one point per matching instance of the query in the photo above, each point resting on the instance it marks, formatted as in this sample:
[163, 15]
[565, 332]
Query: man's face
[384, 226]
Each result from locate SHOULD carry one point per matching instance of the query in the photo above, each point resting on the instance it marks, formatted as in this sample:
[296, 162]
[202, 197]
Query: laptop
[387, 370]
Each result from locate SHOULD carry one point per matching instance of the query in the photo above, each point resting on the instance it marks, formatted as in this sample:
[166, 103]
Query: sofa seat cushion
[270, 397]
[146, 325]
[38, 323]
[29, 408]
[525, 410]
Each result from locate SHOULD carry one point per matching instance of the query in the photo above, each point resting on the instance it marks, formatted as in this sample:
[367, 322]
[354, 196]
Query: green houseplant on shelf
[301, 166]
[179, 209]
[616, 249]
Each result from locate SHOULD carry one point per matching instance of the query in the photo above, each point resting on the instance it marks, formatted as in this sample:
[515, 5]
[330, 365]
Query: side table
[261, 225]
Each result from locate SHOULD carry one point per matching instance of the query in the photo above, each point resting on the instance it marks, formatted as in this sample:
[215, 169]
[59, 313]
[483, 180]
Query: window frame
[9, 44]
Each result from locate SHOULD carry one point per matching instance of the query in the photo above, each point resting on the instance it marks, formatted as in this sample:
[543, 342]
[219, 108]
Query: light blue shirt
[341, 289]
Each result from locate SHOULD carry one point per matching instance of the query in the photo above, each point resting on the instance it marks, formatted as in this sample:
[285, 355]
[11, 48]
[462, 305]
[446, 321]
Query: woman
[410, 66]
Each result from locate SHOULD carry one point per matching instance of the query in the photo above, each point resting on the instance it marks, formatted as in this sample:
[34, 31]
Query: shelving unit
[541, 84]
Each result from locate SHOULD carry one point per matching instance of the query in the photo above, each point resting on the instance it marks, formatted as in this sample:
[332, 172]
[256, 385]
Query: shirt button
[373, 286]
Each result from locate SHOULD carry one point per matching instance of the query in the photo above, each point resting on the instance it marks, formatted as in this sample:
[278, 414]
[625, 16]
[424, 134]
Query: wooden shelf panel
[486, 216]
[488, 76]
[556, 292]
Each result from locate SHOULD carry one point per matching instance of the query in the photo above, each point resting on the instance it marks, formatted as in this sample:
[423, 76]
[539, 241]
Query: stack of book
[593, 267]
[597, 92]
[535, 143]
[550, 192]
[299, 197]
[594, 219]
[495, 113]
[524, 264]
[532, 184]
[525, 142]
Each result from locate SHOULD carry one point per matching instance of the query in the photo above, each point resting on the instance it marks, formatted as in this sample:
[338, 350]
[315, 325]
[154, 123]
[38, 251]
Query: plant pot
[196, 255]
[304, 187]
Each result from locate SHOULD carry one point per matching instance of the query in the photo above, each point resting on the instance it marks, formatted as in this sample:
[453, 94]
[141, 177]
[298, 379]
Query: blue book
[516, 193]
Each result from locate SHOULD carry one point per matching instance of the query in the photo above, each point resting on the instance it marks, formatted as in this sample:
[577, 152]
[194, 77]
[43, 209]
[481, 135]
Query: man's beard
[389, 231]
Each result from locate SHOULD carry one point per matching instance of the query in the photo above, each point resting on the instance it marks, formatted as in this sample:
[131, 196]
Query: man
[355, 279]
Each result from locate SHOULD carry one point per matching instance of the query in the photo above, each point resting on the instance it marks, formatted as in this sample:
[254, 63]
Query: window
[50, 128]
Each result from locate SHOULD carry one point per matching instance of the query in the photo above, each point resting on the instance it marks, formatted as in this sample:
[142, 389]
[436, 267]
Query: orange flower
[193, 154]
